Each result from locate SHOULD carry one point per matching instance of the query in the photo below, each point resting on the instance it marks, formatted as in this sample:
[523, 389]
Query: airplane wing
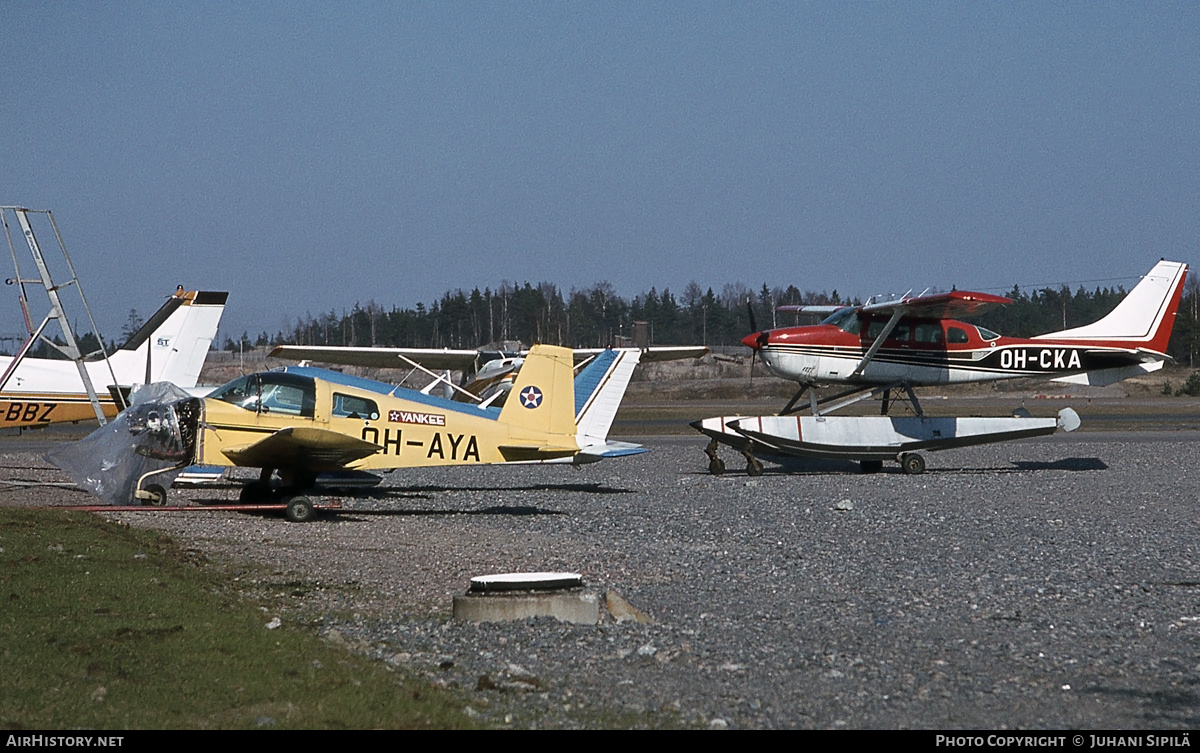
[957, 304]
[953, 305]
[790, 308]
[318, 449]
[435, 358]
[654, 354]
[430, 358]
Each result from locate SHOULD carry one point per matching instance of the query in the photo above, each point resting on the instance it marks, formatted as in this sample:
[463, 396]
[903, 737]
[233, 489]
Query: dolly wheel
[299, 509]
[913, 463]
[754, 466]
[716, 466]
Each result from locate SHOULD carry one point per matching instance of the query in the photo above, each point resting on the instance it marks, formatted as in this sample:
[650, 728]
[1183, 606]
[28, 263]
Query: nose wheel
[158, 495]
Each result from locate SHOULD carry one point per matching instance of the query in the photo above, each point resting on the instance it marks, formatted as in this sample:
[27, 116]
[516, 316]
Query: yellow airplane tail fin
[542, 399]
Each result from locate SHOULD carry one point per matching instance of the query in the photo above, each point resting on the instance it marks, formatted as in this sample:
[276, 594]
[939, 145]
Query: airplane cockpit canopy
[271, 392]
[845, 319]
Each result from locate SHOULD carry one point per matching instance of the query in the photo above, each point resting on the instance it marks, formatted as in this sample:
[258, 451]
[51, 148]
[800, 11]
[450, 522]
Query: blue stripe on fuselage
[392, 390]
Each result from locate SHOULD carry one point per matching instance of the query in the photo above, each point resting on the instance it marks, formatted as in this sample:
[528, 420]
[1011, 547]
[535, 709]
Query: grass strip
[103, 626]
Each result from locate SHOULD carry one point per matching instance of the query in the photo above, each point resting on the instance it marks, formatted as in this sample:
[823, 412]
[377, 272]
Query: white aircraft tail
[1143, 319]
[172, 345]
[599, 389]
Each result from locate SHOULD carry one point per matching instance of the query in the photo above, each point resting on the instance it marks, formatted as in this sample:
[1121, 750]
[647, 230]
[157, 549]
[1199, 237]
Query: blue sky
[305, 156]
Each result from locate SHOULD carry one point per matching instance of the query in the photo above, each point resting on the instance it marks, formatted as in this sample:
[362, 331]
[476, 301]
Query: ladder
[70, 348]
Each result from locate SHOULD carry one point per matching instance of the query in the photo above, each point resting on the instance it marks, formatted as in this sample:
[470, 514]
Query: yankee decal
[409, 417]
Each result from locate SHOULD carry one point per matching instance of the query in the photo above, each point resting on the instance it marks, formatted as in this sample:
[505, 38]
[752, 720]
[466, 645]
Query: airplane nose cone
[756, 341]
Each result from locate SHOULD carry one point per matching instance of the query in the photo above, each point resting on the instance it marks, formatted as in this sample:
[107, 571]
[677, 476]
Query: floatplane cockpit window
[846, 320]
[986, 334]
[928, 332]
[899, 333]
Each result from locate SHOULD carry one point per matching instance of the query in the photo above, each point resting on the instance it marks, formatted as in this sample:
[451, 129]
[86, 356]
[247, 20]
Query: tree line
[597, 316]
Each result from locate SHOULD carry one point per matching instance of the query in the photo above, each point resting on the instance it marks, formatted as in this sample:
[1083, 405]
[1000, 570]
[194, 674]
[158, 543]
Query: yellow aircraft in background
[299, 422]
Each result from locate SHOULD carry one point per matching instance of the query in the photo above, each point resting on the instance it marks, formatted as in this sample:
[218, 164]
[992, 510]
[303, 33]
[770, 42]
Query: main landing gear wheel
[299, 509]
[255, 493]
[913, 463]
[870, 466]
[159, 494]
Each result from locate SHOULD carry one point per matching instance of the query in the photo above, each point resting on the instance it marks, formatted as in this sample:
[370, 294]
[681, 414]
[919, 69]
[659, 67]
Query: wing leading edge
[446, 358]
[957, 304]
[430, 358]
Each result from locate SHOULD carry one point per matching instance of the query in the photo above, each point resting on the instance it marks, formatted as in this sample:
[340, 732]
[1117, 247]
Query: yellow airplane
[170, 347]
[299, 422]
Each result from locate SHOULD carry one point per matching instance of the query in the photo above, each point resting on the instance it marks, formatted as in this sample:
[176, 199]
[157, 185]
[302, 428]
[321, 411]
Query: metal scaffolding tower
[70, 348]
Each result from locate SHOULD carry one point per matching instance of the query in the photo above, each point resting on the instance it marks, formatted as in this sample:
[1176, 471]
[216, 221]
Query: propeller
[759, 339]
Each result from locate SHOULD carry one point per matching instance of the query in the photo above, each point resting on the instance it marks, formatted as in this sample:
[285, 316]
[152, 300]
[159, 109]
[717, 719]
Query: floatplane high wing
[888, 348]
[299, 422]
[487, 375]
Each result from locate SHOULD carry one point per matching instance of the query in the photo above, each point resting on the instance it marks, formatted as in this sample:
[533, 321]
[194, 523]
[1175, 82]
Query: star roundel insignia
[531, 397]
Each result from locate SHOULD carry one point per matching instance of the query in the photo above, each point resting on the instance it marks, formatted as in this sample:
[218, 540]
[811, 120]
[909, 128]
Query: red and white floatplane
[885, 349]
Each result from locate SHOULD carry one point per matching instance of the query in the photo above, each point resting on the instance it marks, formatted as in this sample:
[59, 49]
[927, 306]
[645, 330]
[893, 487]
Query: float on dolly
[885, 349]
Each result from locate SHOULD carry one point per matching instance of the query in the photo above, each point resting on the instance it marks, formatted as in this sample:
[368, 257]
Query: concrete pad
[572, 606]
